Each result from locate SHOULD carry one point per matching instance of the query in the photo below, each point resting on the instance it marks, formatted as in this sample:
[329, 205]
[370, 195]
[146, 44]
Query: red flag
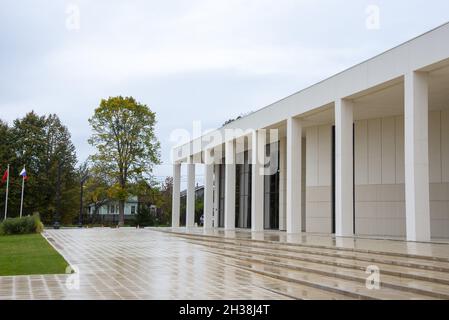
[5, 176]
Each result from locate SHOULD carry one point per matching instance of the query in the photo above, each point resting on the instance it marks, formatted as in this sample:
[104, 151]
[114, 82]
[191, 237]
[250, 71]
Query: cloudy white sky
[188, 60]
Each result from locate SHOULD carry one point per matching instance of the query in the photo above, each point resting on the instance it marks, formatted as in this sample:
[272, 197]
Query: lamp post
[82, 181]
[56, 223]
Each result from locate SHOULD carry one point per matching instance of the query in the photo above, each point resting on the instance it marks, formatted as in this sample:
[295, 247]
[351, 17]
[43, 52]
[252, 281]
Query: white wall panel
[434, 147]
[318, 179]
[400, 160]
[445, 145]
[379, 174]
[361, 152]
[312, 156]
[379, 200]
[388, 151]
[324, 155]
[374, 151]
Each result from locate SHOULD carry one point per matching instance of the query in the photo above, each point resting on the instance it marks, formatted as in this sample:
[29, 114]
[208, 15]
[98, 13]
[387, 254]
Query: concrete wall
[379, 175]
[439, 173]
[318, 179]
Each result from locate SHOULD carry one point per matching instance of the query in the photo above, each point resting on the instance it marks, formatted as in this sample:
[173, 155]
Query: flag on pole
[5, 176]
[23, 174]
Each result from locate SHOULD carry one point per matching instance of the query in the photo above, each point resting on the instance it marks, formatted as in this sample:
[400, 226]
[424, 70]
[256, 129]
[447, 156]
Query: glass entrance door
[271, 189]
[243, 193]
[221, 196]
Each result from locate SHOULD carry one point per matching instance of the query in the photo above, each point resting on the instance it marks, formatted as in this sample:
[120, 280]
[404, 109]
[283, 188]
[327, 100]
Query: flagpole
[7, 190]
[21, 200]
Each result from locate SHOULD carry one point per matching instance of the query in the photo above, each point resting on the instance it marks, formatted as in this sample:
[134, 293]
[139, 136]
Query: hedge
[24, 225]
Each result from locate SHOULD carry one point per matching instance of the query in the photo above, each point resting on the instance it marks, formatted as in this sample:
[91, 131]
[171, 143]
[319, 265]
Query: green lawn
[29, 254]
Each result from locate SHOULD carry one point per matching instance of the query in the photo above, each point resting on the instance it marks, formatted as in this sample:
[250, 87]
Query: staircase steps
[347, 263]
[415, 287]
[326, 272]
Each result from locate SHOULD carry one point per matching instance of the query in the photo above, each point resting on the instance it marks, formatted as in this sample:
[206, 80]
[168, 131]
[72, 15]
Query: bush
[144, 218]
[24, 225]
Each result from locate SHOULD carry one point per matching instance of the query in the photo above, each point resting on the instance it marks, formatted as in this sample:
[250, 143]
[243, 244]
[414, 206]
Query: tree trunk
[121, 209]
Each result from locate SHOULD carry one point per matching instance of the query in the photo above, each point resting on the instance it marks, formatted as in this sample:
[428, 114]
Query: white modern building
[364, 152]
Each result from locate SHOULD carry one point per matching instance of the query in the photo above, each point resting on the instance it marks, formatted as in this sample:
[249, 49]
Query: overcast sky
[205, 60]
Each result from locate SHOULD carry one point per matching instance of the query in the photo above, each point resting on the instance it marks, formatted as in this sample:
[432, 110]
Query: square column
[416, 148]
[208, 189]
[190, 202]
[230, 171]
[344, 166]
[176, 195]
[257, 180]
[294, 173]
[282, 183]
[216, 194]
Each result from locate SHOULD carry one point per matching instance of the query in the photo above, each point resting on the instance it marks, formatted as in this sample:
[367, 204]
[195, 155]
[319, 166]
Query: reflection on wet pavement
[137, 264]
[166, 263]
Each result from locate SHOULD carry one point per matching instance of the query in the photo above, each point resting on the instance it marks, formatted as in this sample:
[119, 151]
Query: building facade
[364, 152]
[199, 199]
[109, 210]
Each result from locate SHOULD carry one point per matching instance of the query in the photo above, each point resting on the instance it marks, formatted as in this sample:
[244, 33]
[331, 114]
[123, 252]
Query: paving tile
[131, 264]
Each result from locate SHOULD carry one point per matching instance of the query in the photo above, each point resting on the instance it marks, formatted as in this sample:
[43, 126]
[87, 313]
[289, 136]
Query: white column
[257, 181]
[190, 202]
[416, 150]
[229, 185]
[282, 183]
[216, 193]
[344, 183]
[294, 173]
[208, 189]
[176, 196]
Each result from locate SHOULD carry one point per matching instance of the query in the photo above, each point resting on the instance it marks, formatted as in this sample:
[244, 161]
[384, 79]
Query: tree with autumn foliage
[126, 144]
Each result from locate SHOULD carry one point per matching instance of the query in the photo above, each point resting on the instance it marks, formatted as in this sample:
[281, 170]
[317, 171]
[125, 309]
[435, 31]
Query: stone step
[402, 276]
[433, 290]
[314, 246]
[409, 261]
[289, 290]
[332, 285]
[348, 263]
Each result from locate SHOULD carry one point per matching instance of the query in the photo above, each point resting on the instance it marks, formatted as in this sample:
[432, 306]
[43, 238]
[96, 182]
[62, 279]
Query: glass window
[243, 193]
[221, 202]
[271, 190]
[133, 209]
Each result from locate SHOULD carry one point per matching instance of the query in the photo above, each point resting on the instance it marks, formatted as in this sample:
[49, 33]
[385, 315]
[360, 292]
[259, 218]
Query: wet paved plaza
[138, 264]
[180, 263]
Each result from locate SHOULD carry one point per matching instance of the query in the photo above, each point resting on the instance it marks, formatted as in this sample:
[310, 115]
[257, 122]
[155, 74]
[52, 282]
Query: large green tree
[43, 145]
[6, 145]
[60, 161]
[166, 203]
[127, 147]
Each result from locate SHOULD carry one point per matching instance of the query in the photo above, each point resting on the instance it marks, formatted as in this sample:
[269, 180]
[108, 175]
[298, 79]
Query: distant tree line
[42, 144]
[238, 118]
[126, 150]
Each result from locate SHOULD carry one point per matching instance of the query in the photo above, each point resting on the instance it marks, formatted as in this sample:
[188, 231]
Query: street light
[82, 181]
[56, 223]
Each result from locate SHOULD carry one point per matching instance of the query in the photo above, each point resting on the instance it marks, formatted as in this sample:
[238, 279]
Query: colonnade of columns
[416, 172]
